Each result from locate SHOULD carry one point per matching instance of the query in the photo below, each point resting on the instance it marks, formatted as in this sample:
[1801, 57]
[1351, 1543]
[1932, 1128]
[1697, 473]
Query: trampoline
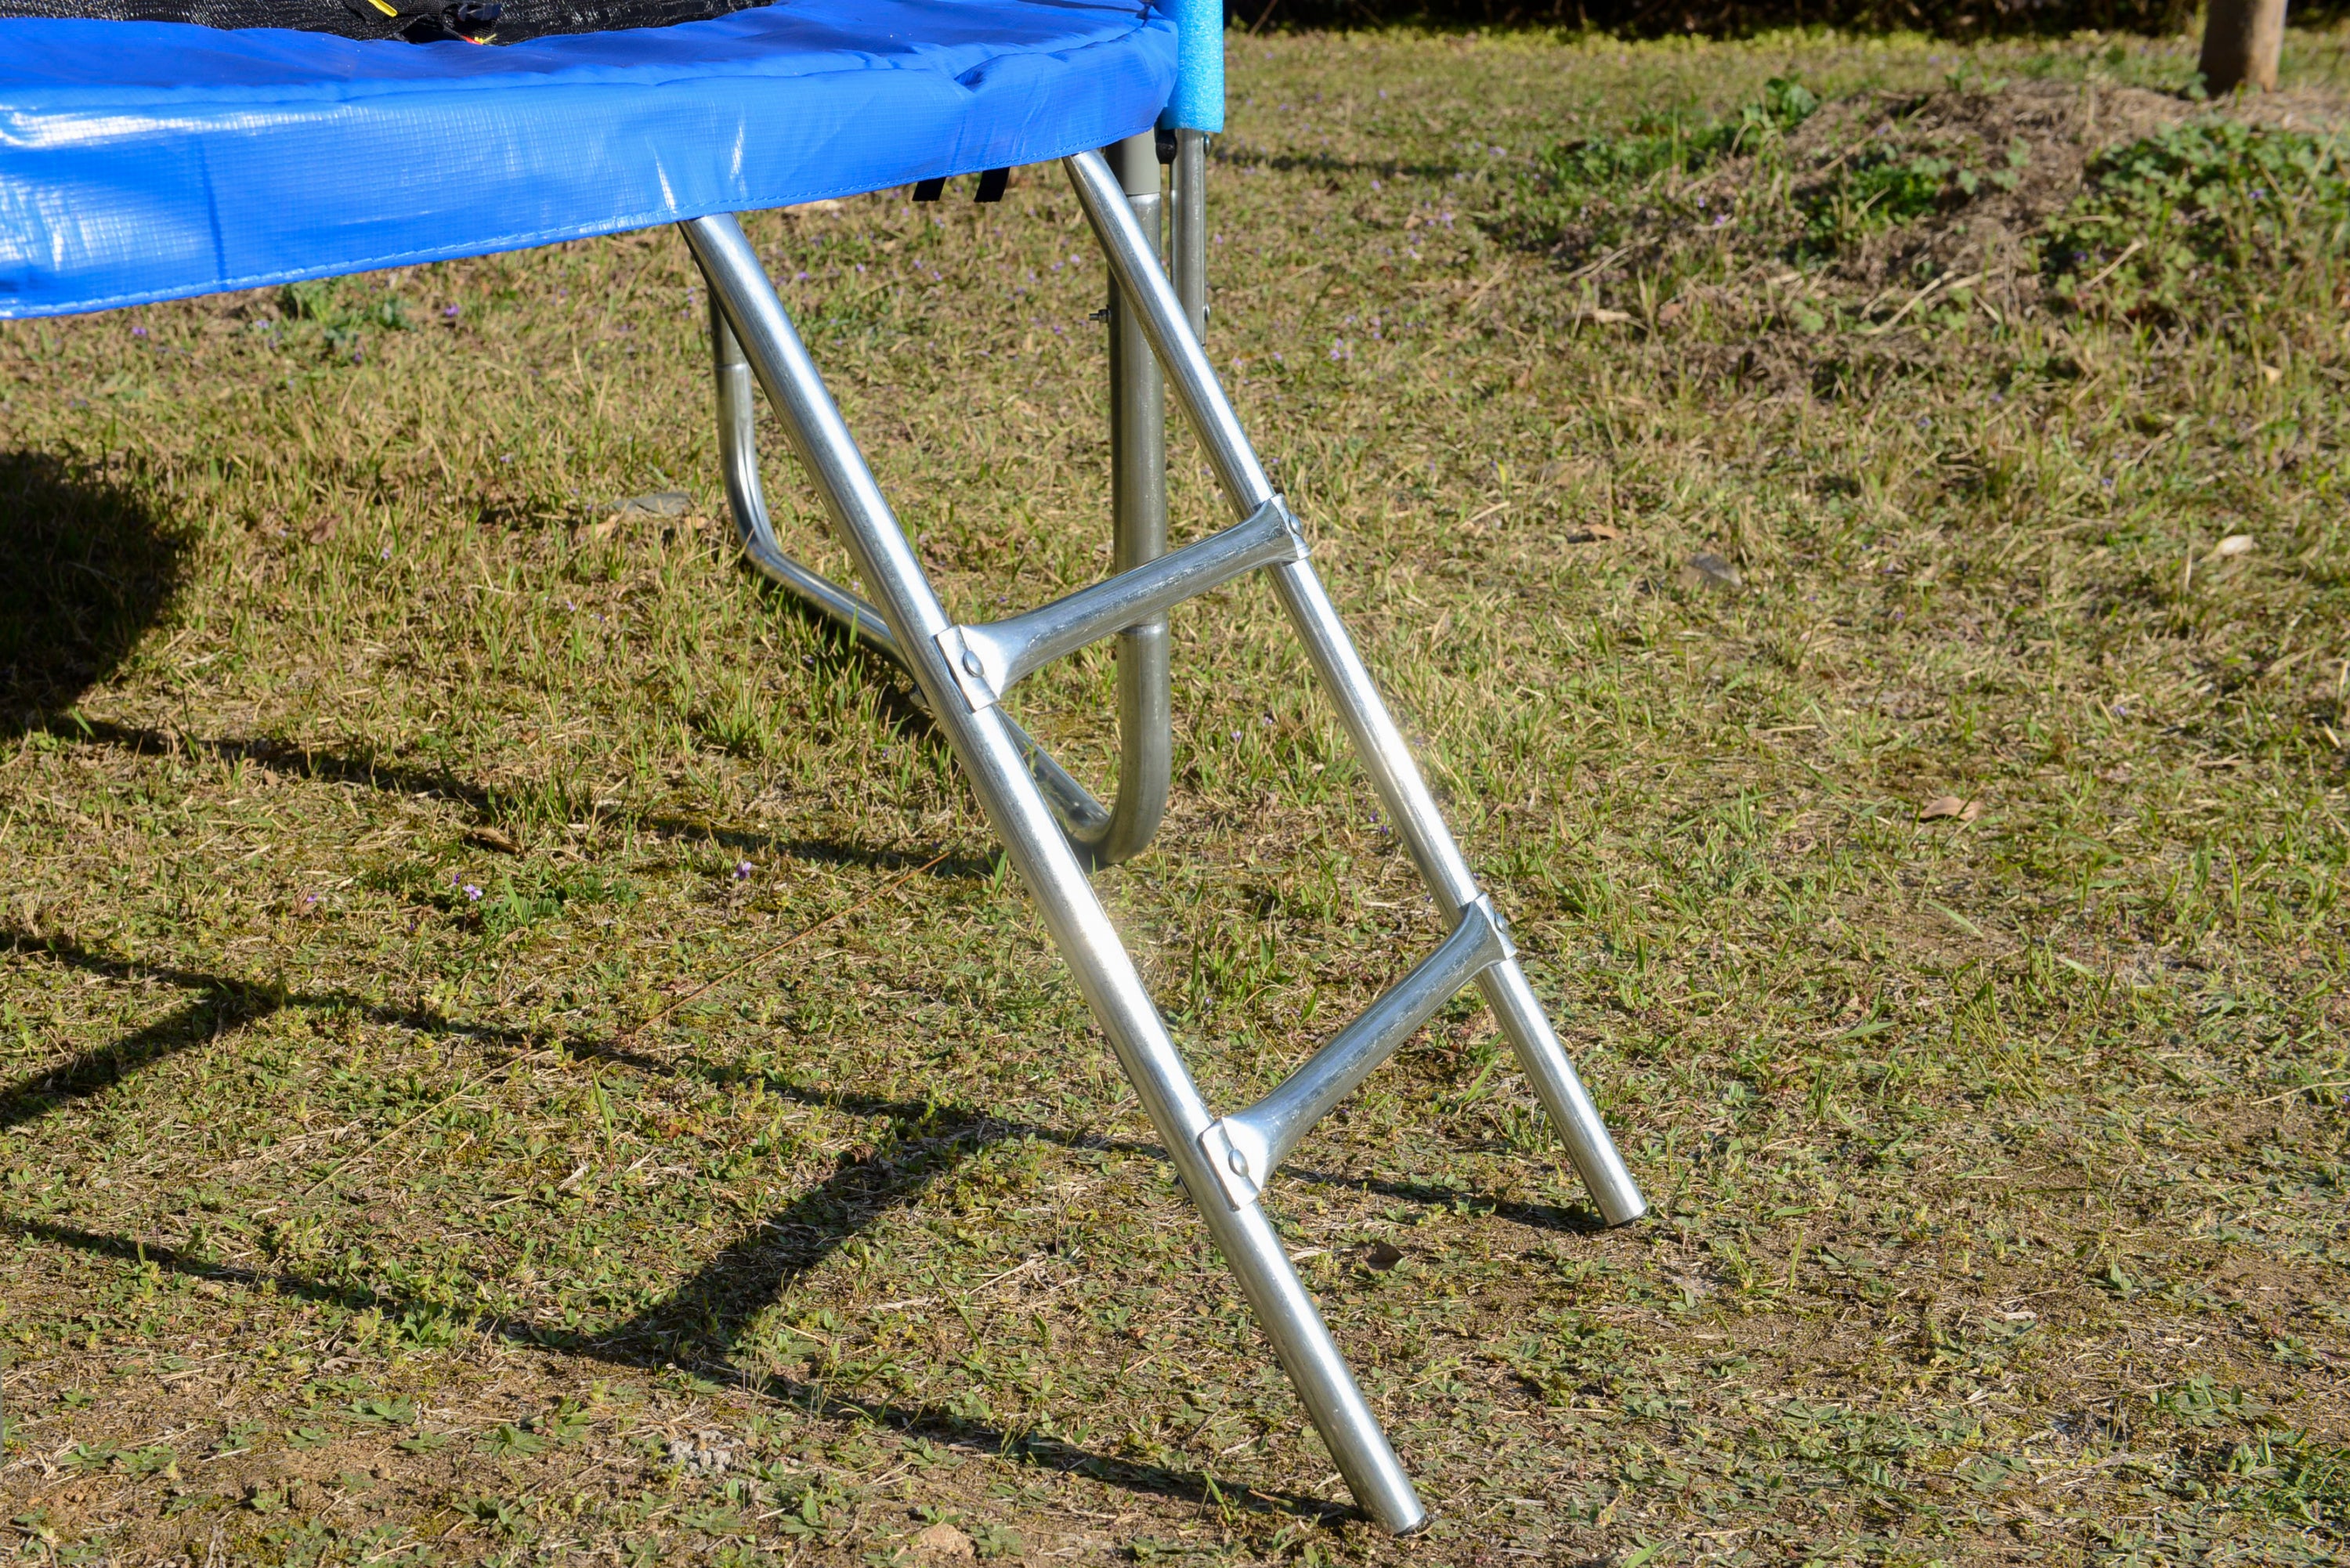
[152, 149]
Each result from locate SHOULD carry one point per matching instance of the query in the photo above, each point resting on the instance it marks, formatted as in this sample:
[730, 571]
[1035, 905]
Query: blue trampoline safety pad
[143, 160]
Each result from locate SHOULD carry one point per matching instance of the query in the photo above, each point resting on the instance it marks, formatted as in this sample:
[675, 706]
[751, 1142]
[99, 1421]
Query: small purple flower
[472, 893]
[1236, 734]
[451, 312]
[742, 870]
[138, 332]
[386, 552]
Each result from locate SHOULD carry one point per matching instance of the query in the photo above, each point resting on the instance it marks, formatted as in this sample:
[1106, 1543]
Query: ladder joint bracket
[987, 659]
[968, 666]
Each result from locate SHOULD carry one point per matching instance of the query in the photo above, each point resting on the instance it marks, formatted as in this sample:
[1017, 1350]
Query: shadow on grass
[223, 1007]
[924, 1420]
[488, 804]
[1578, 1220]
[85, 569]
[1329, 163]
[701, 1323]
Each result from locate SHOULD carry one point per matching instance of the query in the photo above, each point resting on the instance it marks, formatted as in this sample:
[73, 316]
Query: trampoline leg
[1189, 232]
[1138, 447]
[993, 763]
[1081, 816]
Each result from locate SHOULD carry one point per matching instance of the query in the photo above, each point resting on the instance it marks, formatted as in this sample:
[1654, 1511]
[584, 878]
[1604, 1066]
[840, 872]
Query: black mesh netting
[421, 21]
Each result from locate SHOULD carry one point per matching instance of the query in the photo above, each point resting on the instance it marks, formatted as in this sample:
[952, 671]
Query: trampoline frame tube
[1137, 461]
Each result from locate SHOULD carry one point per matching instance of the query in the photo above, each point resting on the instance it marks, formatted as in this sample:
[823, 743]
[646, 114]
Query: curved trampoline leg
[1103, 836]
[1081, 816]
[1138, 447]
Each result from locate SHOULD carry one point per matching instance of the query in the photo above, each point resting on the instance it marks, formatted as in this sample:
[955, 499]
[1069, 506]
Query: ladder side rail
[1189, 375]
[1378, 743]
[1104, 971]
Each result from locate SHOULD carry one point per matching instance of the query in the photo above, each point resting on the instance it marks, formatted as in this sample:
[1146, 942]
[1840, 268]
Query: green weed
[2204, 221]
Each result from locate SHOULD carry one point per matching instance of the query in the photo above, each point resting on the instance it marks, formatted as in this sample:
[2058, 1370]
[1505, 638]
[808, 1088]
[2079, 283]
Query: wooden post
[2241, 40]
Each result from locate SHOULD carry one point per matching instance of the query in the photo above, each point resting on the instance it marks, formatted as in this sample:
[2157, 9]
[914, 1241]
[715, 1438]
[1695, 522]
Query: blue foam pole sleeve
[1199, 100]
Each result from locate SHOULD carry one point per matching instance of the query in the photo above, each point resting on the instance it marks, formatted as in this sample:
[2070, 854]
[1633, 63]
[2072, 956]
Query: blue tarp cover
[143, 160]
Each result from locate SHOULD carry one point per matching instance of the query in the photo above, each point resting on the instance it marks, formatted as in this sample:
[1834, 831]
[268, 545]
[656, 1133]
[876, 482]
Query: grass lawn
[517, 1046]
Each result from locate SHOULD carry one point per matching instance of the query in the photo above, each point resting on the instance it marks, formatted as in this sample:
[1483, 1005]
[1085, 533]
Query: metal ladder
[1051, 827]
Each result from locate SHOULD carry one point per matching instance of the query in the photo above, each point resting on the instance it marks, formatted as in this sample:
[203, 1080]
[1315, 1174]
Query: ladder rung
[988, 661]
[1246, 1148]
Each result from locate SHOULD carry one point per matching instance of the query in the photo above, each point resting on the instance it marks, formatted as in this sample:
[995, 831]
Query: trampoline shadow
[86, 568]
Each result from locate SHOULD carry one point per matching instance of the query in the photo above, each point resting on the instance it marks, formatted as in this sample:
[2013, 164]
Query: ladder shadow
[1573, 1219]
[702, 1323]
[521, 1333]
